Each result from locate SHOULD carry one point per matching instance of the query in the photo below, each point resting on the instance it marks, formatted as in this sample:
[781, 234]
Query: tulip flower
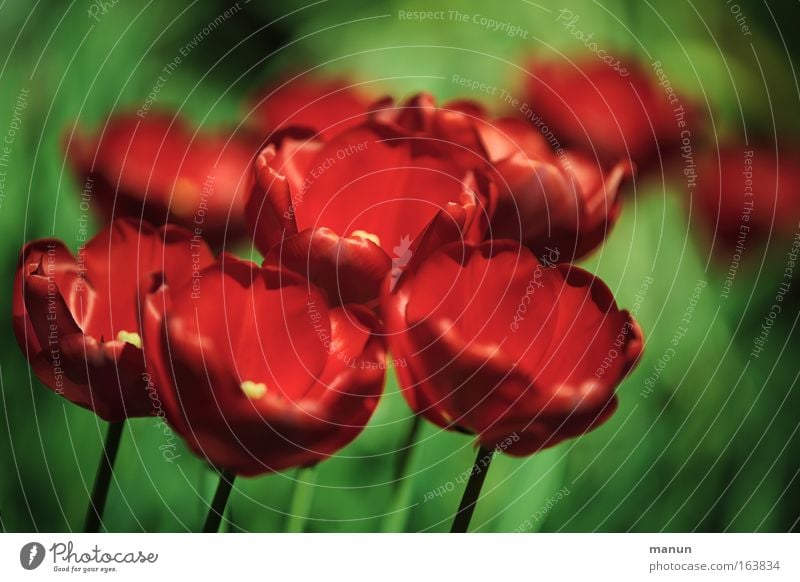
[577, 203]
[748, 194]
[323, 106]
[160, 169]
[607, 114]
[257, 371]
[344, 211]
[523, 354]
[549, 200]
[76, 317]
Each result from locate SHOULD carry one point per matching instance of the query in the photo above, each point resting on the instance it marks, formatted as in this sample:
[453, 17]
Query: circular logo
[31, 555]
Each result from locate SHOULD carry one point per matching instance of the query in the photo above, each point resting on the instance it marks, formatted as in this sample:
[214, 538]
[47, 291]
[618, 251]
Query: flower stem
[402, 462]
[102, 480]
[397, 514]
[302, 495]
[217, 509]
[480, 468]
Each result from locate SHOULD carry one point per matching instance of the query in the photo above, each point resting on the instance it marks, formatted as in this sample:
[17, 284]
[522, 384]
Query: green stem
[472, 493]
[102, 480]
[404, 458]
[397, 515]
[302, 496]
[217, 509]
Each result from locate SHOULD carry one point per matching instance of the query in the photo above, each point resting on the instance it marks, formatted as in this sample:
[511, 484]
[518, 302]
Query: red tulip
[549, 200]
[607, 115]
[521, 353]
[748, 194]
[257, 371]
[564, 207]
[343, 211]
[76, 318]
[323, 106]
[158, 168]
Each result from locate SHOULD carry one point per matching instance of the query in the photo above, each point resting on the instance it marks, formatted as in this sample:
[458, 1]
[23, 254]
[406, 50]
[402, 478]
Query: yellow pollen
[367, 235]
[253, 390]
[131, 338]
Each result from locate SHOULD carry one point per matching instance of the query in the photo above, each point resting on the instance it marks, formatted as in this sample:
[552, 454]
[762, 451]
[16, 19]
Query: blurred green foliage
[713, 446]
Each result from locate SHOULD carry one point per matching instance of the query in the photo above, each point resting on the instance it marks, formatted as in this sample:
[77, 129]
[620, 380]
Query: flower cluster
[443, 234]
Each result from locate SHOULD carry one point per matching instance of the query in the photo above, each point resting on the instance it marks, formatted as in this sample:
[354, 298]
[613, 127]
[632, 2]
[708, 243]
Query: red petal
[359, 179]
[349, 269]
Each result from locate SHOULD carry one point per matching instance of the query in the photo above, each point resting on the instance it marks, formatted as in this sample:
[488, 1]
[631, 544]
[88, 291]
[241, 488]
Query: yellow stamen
[367, 235]
[253, 390]
[131, 338]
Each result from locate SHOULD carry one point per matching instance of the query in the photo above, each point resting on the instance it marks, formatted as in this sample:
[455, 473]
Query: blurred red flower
[76, 318]
[608, 116]
[322, 106]
[748, 194]
[521, 353]
[257, 371]
[159, 169]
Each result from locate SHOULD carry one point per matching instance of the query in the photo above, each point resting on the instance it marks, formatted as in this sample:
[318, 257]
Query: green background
[713, 447]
